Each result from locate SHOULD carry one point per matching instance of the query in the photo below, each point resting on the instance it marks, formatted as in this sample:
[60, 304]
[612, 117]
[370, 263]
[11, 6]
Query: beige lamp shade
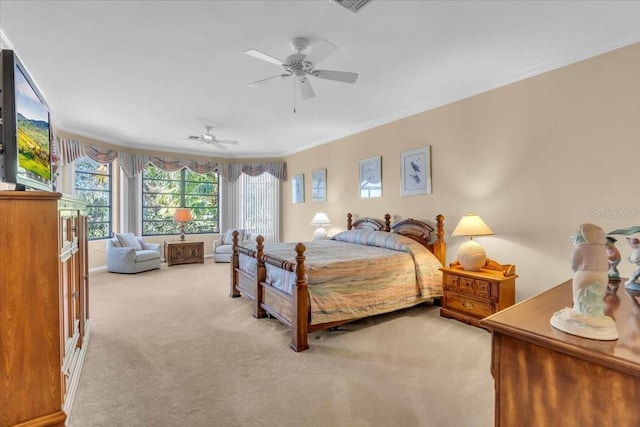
[471, 254]
[319, 220]
[182, 215]
[471, 225]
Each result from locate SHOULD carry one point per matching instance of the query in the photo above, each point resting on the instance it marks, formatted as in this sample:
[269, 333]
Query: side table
[183, 252]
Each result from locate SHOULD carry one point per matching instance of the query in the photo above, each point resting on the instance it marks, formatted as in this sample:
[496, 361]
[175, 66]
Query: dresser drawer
[468, 305]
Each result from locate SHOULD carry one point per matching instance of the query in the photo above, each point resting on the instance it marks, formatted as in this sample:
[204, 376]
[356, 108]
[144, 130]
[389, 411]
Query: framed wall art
[371, 177]
[415, 171]
[297, 188]
[319, 185]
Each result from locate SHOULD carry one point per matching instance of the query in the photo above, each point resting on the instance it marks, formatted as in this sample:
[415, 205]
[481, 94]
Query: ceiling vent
[352, 5]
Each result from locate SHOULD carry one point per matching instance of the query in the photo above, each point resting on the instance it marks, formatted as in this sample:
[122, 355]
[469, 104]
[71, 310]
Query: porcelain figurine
[590, 266]
[613, 254]
[634, 258]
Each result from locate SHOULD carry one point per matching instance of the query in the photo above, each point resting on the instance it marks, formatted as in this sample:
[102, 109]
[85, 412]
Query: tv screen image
[34, 151]
[26, 133]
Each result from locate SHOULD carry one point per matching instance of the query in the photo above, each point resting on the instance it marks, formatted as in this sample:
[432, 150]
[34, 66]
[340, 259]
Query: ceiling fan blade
[263, 56]
[319, 51]
[340, 76]
[305, 89]
[265, 81]
[218, 145]
[227, 141]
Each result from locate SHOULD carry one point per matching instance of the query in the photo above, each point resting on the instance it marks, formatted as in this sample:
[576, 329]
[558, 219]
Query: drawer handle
[467, 305]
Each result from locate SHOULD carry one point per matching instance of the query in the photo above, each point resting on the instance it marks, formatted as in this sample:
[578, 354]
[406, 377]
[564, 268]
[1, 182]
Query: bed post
[440, 247]
[261, 276]
[300, 294]
[349, 218]
[235, 263]
[387, 222]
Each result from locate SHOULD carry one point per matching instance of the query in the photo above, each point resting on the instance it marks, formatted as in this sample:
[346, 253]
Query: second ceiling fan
[300, 65]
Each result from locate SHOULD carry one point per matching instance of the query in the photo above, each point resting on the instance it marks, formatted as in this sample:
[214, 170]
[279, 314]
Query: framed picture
[371, 177]
[297, 188]
[319, 185]
[415, 171]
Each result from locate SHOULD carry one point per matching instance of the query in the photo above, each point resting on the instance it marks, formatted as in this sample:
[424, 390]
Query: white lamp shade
[320, 219]
[471, 225]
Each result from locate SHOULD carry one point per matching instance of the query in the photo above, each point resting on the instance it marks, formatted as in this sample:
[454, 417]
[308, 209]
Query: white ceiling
[146, 74]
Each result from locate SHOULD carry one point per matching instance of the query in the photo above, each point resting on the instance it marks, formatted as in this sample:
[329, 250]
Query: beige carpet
[170, 348]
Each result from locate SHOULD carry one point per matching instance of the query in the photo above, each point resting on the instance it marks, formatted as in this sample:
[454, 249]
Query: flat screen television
[25, 158]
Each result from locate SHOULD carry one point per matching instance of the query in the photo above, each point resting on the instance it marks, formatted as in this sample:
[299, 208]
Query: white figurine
[634, 258]
[590, 265]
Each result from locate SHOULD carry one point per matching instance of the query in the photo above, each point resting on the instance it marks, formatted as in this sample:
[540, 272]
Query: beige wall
[535, 159]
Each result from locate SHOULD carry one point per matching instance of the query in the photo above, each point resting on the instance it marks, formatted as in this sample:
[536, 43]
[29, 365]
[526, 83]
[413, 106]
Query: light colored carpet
[170, 348]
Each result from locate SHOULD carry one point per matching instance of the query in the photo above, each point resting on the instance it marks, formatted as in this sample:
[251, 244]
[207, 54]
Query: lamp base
[471, 255]
[320, 234]
[182, 232]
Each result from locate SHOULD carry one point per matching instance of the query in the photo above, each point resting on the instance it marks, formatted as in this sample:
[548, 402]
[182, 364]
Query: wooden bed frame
[294, 310]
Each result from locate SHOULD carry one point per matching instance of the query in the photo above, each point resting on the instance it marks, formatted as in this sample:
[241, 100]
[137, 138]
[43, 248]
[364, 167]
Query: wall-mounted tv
[25, 153]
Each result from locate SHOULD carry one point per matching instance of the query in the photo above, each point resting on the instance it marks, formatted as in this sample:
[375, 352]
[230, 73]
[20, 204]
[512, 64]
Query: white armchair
[222, 248]
[127, 253]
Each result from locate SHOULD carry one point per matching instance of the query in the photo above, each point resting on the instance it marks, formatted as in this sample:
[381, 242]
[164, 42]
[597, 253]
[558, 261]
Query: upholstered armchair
[223, 247]
[127, 253]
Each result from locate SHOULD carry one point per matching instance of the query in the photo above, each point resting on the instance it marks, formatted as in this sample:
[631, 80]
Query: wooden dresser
[550, 378]
[469, 296]
[44, 327]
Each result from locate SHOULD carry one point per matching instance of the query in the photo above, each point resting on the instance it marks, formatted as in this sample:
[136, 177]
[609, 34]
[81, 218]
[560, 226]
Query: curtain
[69, 150]
[259, 210]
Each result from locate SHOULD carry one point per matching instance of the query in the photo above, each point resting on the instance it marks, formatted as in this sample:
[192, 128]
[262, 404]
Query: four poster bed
[372, 268]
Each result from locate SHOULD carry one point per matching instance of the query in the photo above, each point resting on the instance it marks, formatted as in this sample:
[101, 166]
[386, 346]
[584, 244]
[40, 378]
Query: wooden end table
[183, 252]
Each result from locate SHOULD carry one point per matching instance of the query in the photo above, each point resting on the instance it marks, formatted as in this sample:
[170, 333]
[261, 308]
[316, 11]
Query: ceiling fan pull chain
[294, 95]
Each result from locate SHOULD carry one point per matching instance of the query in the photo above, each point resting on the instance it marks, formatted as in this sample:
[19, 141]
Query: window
[163, 192]
[93, 185]
[260, 206]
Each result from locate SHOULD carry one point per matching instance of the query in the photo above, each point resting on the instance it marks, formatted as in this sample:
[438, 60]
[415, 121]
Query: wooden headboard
[417, 230]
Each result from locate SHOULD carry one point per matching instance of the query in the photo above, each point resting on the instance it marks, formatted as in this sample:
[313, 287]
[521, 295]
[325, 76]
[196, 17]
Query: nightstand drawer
[483, 288]
[451, 282]
[465, 285]
[470, 306]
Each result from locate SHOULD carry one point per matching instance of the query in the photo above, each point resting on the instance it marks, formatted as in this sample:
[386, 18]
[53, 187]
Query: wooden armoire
[44, 301]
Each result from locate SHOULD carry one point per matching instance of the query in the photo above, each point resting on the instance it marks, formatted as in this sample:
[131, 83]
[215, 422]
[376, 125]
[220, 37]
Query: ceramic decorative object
[634, 258]
[590, 266]
[613, 254]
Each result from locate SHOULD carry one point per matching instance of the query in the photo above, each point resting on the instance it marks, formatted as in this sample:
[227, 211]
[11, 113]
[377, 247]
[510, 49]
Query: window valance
[132, 164]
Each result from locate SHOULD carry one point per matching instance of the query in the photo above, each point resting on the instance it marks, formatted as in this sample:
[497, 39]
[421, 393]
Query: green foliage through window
[93, 185]
[163, 192]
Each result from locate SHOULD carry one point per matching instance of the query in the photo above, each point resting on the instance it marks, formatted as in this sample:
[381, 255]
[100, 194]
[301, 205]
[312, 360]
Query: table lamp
[182, 215]
[319, 220]
[471, 254]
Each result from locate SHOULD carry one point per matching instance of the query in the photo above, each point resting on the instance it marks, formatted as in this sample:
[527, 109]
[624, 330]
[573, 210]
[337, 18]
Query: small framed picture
[297, 188]
[415, 171]
[371, 177]
[319, 185]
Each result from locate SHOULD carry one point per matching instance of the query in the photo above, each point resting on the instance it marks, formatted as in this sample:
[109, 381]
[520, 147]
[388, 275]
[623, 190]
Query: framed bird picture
[415, 171]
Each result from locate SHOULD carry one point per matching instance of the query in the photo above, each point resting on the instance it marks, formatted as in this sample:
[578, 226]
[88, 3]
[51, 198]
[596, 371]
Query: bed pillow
[381, 239]
[128, 240]
[228, 237]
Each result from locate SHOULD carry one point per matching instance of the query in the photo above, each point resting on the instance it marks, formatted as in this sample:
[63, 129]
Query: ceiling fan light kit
[300, 65]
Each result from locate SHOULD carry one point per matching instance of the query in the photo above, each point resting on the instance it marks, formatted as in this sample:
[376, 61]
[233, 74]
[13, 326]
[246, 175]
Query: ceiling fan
[208, 138]
[300, 65]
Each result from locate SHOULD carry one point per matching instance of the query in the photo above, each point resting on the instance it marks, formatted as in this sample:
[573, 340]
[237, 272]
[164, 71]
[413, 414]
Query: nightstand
[183, 252]
[470, 296]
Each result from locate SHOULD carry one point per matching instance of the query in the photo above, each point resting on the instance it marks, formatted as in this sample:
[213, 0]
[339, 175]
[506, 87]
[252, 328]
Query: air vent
[352, 5]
